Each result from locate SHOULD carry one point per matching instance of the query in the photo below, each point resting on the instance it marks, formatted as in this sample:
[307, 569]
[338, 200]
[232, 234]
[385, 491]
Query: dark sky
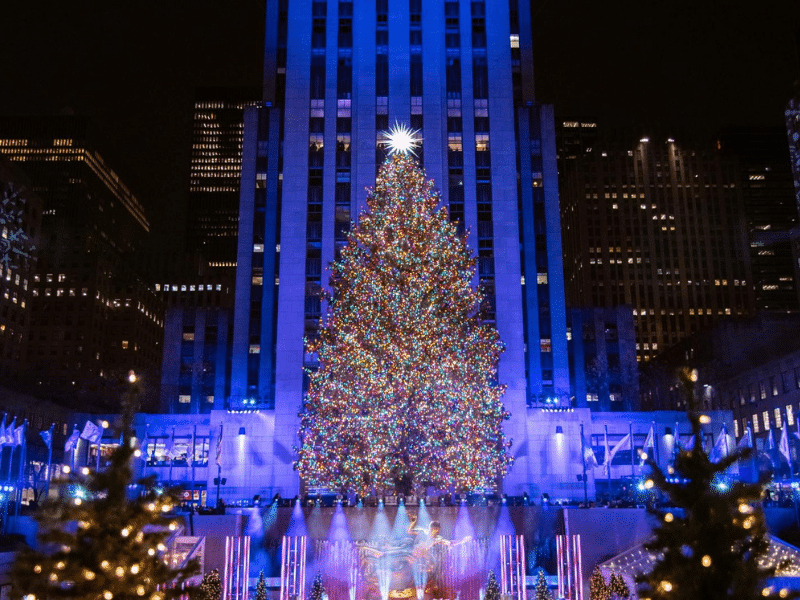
[133, 67]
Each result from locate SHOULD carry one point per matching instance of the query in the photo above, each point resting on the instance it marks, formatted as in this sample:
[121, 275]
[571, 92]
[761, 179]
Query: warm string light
[406, 385]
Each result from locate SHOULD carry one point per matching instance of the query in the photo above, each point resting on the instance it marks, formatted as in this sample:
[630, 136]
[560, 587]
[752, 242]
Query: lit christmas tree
[211, 586]
[712, 543]
[317, 589]
[96, 543]
[541, 591]
[261, 587]
[618, 588]
[492, 588]
[406, 392]
[598, 586]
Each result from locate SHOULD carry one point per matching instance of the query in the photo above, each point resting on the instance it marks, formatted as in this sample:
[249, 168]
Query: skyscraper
[336, 74]
[213, 209]
[92, 318]
[658, 225]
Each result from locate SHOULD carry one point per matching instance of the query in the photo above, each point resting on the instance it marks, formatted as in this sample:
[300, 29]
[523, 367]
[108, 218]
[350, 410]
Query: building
[749, 366]
[461, 73]
[20, 226]
[657, 225]
[93, 318]
[216, 159]
[602, 358]
[771, 211]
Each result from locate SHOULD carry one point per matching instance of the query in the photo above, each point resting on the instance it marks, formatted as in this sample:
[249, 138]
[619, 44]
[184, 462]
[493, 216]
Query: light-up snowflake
[15, 243]
[401, 139]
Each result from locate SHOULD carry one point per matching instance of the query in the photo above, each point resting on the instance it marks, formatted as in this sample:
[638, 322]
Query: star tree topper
[401, 139]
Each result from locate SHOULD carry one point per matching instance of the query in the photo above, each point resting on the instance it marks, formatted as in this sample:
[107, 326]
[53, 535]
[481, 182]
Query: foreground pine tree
[211, 586]
[492, 588]
[261, 587]
[99, 544]
[541, 591]
[317, 589]
[598, 586]
[618, 588]
[406, 392]
[710, 545]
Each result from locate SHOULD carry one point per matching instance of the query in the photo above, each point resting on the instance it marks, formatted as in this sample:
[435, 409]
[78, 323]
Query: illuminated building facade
[92, 317]
[216, 159]
[659, 227]
[461, 73]
[771, 211]
[20, 225]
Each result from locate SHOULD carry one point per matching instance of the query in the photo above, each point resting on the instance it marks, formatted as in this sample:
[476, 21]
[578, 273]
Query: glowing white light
[401, 139]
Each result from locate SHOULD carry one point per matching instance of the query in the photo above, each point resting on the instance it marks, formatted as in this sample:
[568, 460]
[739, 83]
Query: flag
[3, 441]
[73, 440]
[19, 435]
[720, 449]
[145, 442]
[607, 455]
[588, 453]
[769, 446]
[746, 441]
[623, 444]
[8, 433]
[92, 433]
[47, 436]
[783, 446]
[690, 444]
[190, 451]
[649, 443]
[219, 447]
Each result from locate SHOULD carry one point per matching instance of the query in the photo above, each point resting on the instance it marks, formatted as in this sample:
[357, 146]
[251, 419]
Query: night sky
[133, 67]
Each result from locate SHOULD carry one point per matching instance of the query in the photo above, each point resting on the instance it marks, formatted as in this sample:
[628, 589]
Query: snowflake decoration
[14, 241]
[401, 139]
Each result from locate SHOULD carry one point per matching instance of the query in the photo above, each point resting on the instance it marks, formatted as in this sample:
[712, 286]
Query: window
[545, 345]
[735, 428]
[185, 398]
[188, 336]
[615, 397]
[591, 397]
[755, 423]
[765, 414]
[210, 399]
[778, 421]
[255, 349]
[789, 415]
[124, 344]
[773, 385]
[763, 389]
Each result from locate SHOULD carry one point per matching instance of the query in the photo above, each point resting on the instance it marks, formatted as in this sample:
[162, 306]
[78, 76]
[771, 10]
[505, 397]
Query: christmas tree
[598, 586]
[713, 542]
[618, 588]
[96, 543]
[211, 587]
[261, 587]
[541, 591]
[406, 392]
[317, 589]
[492, 588]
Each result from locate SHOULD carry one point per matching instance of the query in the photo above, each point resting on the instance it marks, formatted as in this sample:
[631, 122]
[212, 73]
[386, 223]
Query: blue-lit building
[336, 74]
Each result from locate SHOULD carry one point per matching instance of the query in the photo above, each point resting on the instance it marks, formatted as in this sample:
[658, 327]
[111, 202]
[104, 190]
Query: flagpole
[583, 460]
[633, 446]
[171, 458]
[655, 442]
[99, 447]
[49, 462]
[22, 448]
[608, 466]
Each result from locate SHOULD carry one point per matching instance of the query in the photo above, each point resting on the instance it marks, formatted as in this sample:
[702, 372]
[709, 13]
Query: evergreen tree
[598, 586]
[711, 544]
[618, 588]
[317, 589]
[406, 392]
[541, 591]
[492, 588]
[211, 586]
[261, 587]
[96, 543]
